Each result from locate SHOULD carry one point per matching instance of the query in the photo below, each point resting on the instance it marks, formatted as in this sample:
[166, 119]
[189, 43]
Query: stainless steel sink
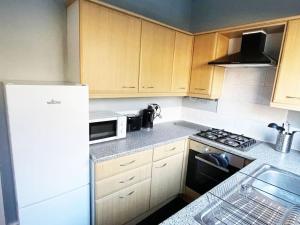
[280, 183]
[267, 196]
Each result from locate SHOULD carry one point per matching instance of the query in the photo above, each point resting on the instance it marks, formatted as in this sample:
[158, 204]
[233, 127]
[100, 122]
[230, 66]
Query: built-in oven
[106, 126]
[208, 166]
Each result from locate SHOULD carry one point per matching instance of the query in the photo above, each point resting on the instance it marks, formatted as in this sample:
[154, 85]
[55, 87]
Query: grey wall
[32, 40]
[212, 14]
[172, 12]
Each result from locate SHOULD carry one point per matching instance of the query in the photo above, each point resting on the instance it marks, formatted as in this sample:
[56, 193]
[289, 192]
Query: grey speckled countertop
[163, 133]
[262, 153]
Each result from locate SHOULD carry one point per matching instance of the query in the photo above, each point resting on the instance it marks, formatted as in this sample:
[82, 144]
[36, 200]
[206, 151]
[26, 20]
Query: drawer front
[165, 151]
[120, 181]
[122, 164]
[123, 206]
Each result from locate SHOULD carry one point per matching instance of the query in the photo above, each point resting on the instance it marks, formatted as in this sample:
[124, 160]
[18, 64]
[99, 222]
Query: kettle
[284, 138]
[149, 114]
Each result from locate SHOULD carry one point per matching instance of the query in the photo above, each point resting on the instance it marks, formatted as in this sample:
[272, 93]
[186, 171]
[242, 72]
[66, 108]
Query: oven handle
[210, 163]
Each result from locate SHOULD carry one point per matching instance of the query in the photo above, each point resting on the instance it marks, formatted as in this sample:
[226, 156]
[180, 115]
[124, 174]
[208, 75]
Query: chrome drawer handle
[200, 89]
[127, 164]
[128, 87]
[172, 149]
[293, 97]
[127, 195]
[182, 88]
[125, 181]
[148, 87]
[162, 166]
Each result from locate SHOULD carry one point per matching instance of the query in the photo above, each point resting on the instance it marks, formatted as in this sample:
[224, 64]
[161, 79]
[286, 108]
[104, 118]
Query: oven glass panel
[101, 130]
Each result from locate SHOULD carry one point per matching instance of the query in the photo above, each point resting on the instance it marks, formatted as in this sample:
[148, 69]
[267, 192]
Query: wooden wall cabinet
[157, 50]
[122, 55]
[207, 80]
[286, 93]
[110, 49]
[182, 62]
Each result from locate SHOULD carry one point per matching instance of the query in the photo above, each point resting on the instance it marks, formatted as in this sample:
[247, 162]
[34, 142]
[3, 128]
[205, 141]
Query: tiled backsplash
[170, 106]
[244, 106]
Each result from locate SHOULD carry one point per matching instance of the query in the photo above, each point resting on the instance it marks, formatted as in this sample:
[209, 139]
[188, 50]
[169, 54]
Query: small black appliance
[134, 122]
[149, 115]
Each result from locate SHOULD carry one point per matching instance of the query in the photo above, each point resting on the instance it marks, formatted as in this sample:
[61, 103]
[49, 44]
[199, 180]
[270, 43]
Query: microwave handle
[122, 126]
[211, 164]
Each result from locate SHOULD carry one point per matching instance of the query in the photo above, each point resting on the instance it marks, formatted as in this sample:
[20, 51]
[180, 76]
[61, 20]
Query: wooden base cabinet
[287, 87]
[207, 80]
[123, 206]
[166, 179]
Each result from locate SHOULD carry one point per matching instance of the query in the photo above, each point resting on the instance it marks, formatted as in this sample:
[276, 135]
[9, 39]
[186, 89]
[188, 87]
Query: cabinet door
[123, 206]
[182, 62]
[287, 88]
[166, 179]
[110, 48]
[157, 50]
[202, 73]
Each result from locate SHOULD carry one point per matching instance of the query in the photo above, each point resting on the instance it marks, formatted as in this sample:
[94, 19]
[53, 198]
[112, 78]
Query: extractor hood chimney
[251, 54]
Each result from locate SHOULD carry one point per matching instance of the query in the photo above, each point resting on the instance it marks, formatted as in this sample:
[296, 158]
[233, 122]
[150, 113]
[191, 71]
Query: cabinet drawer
[165, 151]
[122, 164]
[112, 184]
[123, 206]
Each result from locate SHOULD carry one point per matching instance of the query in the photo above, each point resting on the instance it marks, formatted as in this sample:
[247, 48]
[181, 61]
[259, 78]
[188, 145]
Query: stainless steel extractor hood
[251, 55]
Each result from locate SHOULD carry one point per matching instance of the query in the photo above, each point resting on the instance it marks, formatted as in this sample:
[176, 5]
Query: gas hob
[239, 142]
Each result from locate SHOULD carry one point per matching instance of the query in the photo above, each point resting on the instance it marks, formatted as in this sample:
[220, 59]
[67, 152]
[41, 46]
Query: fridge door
[49, 136]
[68, 209]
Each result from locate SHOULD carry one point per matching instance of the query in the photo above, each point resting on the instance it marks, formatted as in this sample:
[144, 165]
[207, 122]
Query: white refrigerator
[49, 150]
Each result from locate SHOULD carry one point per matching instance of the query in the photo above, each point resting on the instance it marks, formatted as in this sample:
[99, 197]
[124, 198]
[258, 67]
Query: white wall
[171, 106]
[32, 40]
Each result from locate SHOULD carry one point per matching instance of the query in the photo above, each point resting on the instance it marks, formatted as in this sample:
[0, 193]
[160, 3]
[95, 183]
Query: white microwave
[106, 126]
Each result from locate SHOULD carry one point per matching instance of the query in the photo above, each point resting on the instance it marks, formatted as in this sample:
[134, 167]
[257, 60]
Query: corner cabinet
[286, 92]
[207, 80]
[182, 62]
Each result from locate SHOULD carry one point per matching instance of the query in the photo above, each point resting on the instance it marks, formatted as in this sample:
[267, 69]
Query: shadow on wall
[214, 14]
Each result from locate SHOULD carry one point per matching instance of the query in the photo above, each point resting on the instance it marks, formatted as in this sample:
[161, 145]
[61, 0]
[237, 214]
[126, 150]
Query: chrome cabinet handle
[125, 181]
[292, 97]
[172, 149]
[148, 87]
[128, 87]
[182, 88]
[127, 164]
[127, 195]
[200, 89]
[162, 166]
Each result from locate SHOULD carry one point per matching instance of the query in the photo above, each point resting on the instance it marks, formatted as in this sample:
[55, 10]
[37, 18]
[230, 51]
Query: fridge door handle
[2, 216]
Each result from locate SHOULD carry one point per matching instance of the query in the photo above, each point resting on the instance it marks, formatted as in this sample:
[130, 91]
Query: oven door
[103, 131]
[206, 170]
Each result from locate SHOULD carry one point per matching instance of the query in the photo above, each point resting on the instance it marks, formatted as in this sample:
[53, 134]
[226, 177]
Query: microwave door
[102, 130]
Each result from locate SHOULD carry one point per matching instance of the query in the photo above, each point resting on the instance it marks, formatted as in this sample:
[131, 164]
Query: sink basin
[276, 182]
[267, 193]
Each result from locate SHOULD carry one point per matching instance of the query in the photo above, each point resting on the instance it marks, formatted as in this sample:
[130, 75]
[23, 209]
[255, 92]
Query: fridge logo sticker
[53, 102]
